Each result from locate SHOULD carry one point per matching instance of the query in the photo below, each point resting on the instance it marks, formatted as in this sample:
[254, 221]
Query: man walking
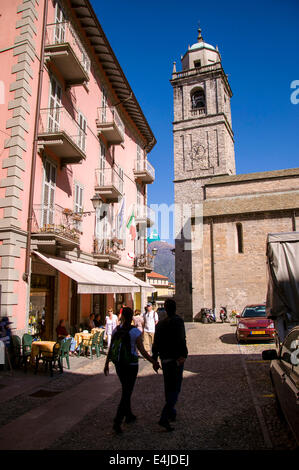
[170, 345]
[150, 320]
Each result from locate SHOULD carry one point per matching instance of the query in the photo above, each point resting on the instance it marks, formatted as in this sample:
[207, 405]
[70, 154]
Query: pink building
[74, 170]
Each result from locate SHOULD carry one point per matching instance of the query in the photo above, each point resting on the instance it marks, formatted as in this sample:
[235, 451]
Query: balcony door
[139, 159]
[102, 163]
[48, 211]
[60, 23]
[54, 106]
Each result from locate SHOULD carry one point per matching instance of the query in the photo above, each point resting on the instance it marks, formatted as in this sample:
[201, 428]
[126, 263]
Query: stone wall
[240, 278]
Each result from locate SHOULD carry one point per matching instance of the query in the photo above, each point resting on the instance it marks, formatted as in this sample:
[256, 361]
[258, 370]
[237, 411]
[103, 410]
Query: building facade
[222, 219]
[164, 288]
[74, 169]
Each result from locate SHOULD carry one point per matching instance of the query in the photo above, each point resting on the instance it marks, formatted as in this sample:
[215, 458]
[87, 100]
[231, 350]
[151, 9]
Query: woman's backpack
[120, 349]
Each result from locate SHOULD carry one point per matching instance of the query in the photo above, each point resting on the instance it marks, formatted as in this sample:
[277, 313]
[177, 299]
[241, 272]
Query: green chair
[50, 359]
[65, 351]
[100, 343]
[26, 348]
[90, 344]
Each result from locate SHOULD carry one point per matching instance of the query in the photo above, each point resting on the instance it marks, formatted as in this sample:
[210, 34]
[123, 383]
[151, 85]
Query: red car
[254, 325]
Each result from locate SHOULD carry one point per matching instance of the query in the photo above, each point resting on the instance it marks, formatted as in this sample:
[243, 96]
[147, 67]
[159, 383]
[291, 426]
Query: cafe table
[40, 346]
[85, 336]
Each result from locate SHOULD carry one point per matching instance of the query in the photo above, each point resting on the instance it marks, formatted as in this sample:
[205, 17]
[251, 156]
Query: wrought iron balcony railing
[144, 171]
[62, 133]
[110, 125]
[66, 51]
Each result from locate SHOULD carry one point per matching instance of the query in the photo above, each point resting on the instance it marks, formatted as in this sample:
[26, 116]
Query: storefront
[72, 290]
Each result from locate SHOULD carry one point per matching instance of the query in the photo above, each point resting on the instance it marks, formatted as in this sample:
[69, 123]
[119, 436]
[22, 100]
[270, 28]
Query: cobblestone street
[226, 402]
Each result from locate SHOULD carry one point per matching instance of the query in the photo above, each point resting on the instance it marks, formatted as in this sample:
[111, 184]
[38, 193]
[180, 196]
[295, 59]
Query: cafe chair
[90, 344]
[100, 343]
[50, 359]
[26, 348]
[65, 351]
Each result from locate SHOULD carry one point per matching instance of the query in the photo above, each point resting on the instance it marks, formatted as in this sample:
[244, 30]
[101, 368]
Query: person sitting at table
[62, 335]
[91, 324]
[97, 321]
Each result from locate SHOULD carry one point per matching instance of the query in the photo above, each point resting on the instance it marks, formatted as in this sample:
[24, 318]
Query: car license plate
[258, 332]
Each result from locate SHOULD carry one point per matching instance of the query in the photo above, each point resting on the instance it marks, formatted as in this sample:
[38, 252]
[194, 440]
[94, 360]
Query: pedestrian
[110, 325]
[5, 338]
[150, 318]
[120, 313]
[170, 345]
[126, 370]
[138, 320]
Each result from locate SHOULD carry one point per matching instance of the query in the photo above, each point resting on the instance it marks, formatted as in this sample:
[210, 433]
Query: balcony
[59, 132]
[53, 226]
[143, 264]
[109, 185]
[144, 215]
[64, 50]
[106, 251]
[110, 125]
[144, 171]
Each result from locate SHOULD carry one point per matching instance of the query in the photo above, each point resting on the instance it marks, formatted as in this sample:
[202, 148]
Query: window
[54, 106]
[139, 158]
[198, 99]
[104, 105]
[197, 64]
[82, 131]
[78, 203]
[121, 179]
[48, 211]
[240, 238]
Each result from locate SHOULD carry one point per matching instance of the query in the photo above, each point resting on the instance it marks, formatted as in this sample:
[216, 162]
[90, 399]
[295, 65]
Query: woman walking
[111, 323]
[127, 371]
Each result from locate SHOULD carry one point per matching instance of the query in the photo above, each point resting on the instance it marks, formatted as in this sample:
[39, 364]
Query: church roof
[251, 204]
[230, 179]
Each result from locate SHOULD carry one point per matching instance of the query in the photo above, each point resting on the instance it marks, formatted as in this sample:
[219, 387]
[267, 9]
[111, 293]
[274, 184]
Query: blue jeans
[173, 376]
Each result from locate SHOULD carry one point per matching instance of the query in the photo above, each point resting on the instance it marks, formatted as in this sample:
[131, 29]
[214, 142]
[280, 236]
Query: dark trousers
[127, 376]
[173, 376]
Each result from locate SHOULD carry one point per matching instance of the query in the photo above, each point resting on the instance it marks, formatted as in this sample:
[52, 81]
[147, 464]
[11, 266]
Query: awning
[91, 279]
[136, 280]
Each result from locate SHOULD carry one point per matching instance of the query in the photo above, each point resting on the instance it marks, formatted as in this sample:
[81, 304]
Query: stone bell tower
[203, 147]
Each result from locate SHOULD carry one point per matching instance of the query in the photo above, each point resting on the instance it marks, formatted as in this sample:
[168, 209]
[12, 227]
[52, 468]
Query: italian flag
[131, 225]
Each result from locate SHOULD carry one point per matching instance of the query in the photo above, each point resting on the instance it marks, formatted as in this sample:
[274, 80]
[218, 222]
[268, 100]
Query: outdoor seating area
[32, 353]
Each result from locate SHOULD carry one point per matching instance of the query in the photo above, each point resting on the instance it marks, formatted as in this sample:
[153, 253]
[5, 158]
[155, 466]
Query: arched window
[198, 99]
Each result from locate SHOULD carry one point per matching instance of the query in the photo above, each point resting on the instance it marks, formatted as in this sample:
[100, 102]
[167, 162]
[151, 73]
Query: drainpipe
[212, 265]
[34, 144]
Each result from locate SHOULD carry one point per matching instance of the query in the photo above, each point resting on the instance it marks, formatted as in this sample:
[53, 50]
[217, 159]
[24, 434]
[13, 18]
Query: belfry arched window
[198, 99]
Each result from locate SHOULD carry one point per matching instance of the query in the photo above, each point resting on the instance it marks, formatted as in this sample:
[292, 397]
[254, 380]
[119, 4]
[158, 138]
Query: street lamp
[96, 201]
[154, 251]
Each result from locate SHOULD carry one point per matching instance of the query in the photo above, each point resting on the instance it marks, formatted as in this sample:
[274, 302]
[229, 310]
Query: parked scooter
[223, 314]
[211, 317]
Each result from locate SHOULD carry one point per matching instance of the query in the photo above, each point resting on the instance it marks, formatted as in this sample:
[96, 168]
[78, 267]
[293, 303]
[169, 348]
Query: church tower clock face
[198, 152]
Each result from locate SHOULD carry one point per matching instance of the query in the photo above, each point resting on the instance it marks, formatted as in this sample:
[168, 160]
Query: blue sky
[259, 46]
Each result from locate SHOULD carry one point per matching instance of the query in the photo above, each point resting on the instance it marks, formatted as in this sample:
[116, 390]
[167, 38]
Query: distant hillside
[164, 261]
